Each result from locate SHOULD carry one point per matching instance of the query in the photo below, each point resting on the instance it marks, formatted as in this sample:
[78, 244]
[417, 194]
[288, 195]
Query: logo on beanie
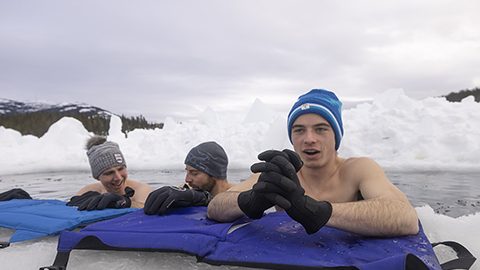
[118, 157]
[305, 106]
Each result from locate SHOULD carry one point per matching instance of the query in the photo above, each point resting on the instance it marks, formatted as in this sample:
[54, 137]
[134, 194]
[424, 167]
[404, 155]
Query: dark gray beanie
[210, 158]
[103, 157]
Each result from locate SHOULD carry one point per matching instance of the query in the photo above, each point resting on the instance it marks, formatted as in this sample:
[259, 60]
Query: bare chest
[334, 190]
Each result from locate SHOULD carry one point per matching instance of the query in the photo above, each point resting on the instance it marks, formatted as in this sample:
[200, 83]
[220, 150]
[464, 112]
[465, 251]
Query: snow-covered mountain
[8, 107]
[35, 118]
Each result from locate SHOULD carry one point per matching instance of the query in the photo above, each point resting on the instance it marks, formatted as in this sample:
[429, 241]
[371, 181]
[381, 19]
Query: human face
[114, 179]
[313, 139]
[197, 179]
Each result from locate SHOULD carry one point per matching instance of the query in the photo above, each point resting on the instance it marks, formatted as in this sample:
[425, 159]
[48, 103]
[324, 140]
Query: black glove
[16, 193]
[268, 155]
[80, 199]
[312, 214]
[164, 198]
[254, 203]
[107, 200]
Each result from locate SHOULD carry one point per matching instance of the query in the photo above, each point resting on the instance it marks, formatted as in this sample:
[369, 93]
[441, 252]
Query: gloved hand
[254, 203]
[80, 199]
[268, 155]
[16, 193]
[290, 195]
[107, 200]
[164, 198]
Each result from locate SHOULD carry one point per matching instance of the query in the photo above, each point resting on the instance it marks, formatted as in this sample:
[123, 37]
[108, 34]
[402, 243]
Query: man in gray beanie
[114, 189]
[206, 176]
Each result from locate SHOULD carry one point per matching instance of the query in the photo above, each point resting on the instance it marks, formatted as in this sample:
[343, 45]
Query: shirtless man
[114, 189]
[352, 194]
[206, 176]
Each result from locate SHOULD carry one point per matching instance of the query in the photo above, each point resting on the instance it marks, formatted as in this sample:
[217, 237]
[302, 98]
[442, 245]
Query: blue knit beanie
[323, 103]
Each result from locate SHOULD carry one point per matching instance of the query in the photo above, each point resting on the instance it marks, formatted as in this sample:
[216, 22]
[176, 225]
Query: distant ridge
[35, 118]
[458, 96]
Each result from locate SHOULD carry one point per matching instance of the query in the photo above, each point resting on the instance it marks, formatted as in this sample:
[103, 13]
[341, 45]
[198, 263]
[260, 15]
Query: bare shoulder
[359, 164]
[372, 180]
[137, 185]
[91, 187]
[361, 168]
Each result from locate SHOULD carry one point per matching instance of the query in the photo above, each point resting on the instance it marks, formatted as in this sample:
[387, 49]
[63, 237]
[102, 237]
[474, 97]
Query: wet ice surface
[448, 192]
[451, 195]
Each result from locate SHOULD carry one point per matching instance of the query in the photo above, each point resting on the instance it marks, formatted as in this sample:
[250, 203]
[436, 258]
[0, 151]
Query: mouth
[311, 152]
[118, 184]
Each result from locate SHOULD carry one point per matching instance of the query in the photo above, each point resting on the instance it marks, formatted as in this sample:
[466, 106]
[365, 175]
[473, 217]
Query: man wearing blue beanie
[314, 185]
[323, 103]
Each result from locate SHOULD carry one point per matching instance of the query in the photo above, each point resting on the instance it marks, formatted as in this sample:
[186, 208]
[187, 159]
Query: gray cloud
[176, 58]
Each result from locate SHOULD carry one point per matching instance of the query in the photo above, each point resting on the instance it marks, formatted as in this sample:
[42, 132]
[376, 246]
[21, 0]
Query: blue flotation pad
[277, 239]
[274, 241]
[33, 219]
[186, 230]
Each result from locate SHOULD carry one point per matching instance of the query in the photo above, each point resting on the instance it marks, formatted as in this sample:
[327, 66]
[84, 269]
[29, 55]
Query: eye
[297, 130]
[108, 173]
[192, 173]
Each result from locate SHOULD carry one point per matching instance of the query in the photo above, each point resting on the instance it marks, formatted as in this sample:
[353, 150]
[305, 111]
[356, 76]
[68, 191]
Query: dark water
[449, 193]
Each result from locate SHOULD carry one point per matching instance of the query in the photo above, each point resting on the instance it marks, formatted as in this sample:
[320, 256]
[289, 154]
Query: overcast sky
[177, 58]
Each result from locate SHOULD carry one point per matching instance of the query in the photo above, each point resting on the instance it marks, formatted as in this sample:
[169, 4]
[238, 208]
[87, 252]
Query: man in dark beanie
[206, 176]
[314, 185]
[114, 189]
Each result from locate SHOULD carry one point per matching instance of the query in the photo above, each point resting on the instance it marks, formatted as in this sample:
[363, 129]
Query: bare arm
[224, 206]
[385, 210]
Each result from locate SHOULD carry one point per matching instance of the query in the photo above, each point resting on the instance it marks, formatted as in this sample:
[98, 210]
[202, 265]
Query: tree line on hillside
[134, 122]
[458, 96]
[37, 123]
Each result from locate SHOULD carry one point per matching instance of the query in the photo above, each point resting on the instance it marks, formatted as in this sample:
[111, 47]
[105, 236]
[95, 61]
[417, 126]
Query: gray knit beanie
[103, 156]
[210, 158]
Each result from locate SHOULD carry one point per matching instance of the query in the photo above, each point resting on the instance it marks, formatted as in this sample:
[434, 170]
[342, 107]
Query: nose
[188, 180]
[309, 136]
[117, 175]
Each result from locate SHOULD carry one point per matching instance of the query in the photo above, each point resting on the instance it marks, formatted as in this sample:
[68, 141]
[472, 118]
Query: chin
[117, 189]
[313, 163]
[311, 159]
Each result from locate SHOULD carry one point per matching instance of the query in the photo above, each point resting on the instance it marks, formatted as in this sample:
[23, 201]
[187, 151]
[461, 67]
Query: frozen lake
[452, 199]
